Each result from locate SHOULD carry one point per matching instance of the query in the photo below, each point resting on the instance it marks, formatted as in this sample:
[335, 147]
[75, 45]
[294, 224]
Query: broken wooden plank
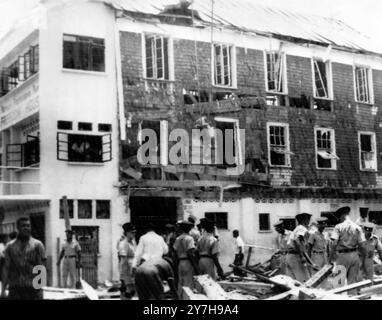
[264, 278]
[247, 286]
[205, 284]
[319, 276]
[281, 296]
[248, 257]
[376, 289]
[132, 173]
[188, 294]
[357, 285]
[235, 295]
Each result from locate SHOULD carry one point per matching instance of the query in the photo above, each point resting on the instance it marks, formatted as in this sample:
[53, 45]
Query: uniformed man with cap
[126, 250]
[318, 244]
[372, 244]
[296, 257]
[71, 253]
[208, 250]
[184, 247]
[282, 243]
[348, 241]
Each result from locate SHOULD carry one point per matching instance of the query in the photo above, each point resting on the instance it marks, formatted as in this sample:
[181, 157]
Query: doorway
[88, 238]
[38, 226]
[157, 210]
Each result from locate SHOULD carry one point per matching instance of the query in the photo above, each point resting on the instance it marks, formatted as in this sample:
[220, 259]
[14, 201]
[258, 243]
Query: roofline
[143, 15]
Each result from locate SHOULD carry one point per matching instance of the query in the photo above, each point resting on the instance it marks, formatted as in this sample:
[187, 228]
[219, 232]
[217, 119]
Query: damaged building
[298, 96]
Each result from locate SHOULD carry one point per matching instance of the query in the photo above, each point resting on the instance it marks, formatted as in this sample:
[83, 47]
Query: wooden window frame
[287, 152]
[332, 154]
[374, 150]
[283, 76]
[368, 79]
[229, 65]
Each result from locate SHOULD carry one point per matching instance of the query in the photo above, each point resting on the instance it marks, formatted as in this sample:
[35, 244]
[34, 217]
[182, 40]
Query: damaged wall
[347, 118]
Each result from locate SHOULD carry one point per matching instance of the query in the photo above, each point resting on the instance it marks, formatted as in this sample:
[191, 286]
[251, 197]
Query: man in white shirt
[239, 251]
[150, 246]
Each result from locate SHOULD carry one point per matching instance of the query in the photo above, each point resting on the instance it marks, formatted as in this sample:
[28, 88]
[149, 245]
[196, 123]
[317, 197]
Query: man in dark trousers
[151, 278]
[21, 257]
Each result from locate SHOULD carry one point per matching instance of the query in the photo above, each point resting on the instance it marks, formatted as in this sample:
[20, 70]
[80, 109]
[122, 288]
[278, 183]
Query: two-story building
[257, 114]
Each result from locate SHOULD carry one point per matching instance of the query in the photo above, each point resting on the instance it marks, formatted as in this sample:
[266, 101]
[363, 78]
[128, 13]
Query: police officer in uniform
[348, 241]
[372, 244]
[208, 250]
[184, 247]
[318, 243]
[296, 257]
[282, 244]
[71, 253]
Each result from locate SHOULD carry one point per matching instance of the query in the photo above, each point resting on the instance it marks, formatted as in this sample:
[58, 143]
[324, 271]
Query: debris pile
[258, 283]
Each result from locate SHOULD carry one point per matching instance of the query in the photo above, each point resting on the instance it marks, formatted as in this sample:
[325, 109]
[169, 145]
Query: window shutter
[62, 146]
[27, 65]
[14, 157]
[21, 66]
[106, 148]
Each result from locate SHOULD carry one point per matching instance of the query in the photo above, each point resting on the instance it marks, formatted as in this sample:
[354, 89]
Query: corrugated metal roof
[248, 16]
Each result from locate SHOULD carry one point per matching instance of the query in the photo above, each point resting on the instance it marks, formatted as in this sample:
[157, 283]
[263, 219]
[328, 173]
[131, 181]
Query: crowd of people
[161, 264]
[174, 258]
[307, 248]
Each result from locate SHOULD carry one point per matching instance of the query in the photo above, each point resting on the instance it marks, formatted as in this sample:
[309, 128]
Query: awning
[12, 203]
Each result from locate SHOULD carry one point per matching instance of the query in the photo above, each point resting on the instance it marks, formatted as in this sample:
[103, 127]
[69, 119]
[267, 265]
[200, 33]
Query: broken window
[223, 65]
[226, 149]
[278, 139]
[321, 79]
[325, 149]
[367, 149]
[83, 148]
[84, 53]
[275, 72]
[157, 59]
[363, 86]
[264, 222]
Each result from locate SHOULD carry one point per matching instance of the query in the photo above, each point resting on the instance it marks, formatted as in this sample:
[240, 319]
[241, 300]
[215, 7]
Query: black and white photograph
[194, 150]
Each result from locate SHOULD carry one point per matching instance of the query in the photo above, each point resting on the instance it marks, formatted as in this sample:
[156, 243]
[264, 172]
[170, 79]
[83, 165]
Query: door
[88, 240]
[38, 226]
